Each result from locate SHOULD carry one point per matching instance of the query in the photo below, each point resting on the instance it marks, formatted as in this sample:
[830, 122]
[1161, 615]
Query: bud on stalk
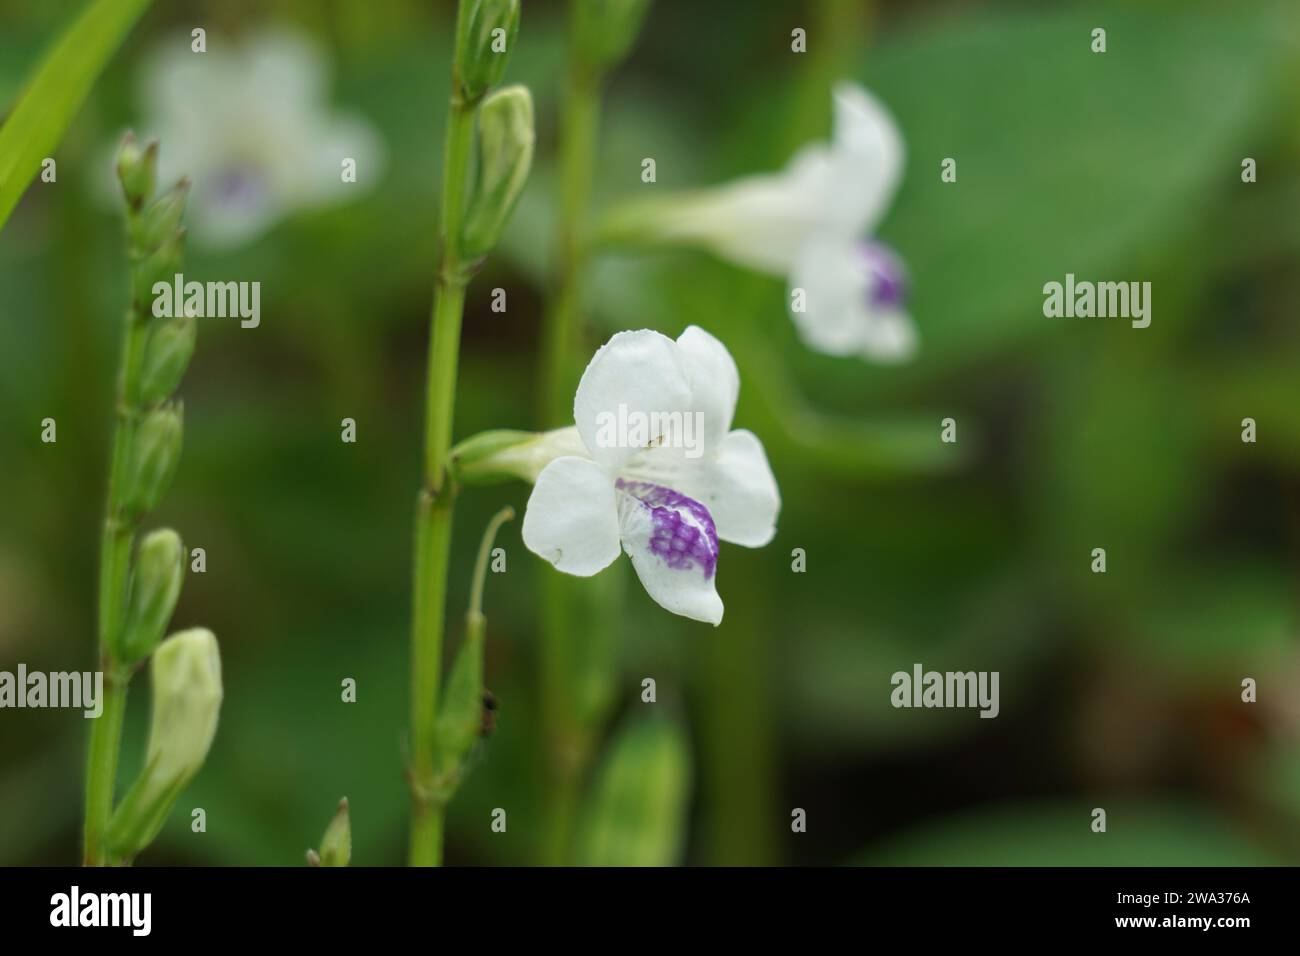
[505, 138]
[186, 677]
[486, 46]
[155, 452]
[166, 356]
[155, 588]
[137, 170]
[336, 844]
[162, 218]
[604, 30]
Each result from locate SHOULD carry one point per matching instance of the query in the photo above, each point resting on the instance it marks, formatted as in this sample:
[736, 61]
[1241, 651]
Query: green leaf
[56, 91]
[637, 812]
[1094, 166]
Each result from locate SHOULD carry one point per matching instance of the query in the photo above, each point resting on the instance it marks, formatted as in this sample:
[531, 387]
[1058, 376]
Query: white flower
[808, 224]
[666, 508]
[250, 125]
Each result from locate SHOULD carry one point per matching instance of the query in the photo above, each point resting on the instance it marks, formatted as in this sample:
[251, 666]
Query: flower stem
[114, 576]
[435, 499]
[577, 161]
[564, 739]
[101, 766]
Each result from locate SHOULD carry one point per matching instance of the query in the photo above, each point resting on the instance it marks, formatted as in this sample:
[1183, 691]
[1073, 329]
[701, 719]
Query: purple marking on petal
[239, 186]
[888, 285]
[682, 531]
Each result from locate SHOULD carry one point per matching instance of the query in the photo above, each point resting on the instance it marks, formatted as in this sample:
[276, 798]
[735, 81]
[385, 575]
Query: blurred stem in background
[734, 684]
[485, 32]
[578, 642]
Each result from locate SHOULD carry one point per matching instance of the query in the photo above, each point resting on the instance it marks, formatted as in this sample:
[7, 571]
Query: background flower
[249, 122]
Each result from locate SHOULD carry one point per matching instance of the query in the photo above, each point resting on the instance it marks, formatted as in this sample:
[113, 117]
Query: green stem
[114, 577]
[564, 738]
[577, 150]
[101, 765]
[436, 496]
[480, 565]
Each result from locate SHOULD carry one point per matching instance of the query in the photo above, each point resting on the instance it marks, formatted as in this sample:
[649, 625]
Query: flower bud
[155, 452]
[158, 265]
[486, 46]
[186, 676]
[137, 170]
[505, 137]
[604, 30]
[166, 356]
[499, 455]
[336, 844]
[155, 587]
[162, 218]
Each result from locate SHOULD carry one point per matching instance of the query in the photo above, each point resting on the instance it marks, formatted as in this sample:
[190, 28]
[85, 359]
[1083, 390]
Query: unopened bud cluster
[505, 122]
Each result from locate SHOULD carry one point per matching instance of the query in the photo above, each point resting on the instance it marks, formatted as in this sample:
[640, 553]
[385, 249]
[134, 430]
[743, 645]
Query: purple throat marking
[682, 531]
[888, 287]
[240, 186]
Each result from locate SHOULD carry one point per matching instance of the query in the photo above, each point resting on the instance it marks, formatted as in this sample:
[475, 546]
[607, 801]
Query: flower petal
[761, 221]
[840, 315]
[673, 545]
[572, 517]
[631, 387]
[738, 488]
[714, 380]
[869, 153]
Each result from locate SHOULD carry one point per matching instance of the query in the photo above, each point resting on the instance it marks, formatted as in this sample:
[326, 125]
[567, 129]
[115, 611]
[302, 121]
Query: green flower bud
[155, 587]
[604, 30]
[155, 453]
[162, 218]
[486, 46]
[159, 265]
[336, 844]
[166, 356]
[505, 138]
[500, 455]
[137, 170]
[186, 676]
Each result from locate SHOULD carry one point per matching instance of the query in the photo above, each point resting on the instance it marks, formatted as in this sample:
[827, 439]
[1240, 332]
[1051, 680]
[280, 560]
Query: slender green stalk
[475, 614]
[101, 766]
[560, 332]
[434, 503]
[114, 573]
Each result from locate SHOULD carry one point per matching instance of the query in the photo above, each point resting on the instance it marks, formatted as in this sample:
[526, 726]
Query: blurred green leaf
[1040, 189]
[60, 84]
[637, 811]
[1069, 171]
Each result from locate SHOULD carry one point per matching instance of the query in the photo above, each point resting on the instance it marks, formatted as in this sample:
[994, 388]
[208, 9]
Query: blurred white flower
[252, 128]
[667, 509]
[809, 224]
